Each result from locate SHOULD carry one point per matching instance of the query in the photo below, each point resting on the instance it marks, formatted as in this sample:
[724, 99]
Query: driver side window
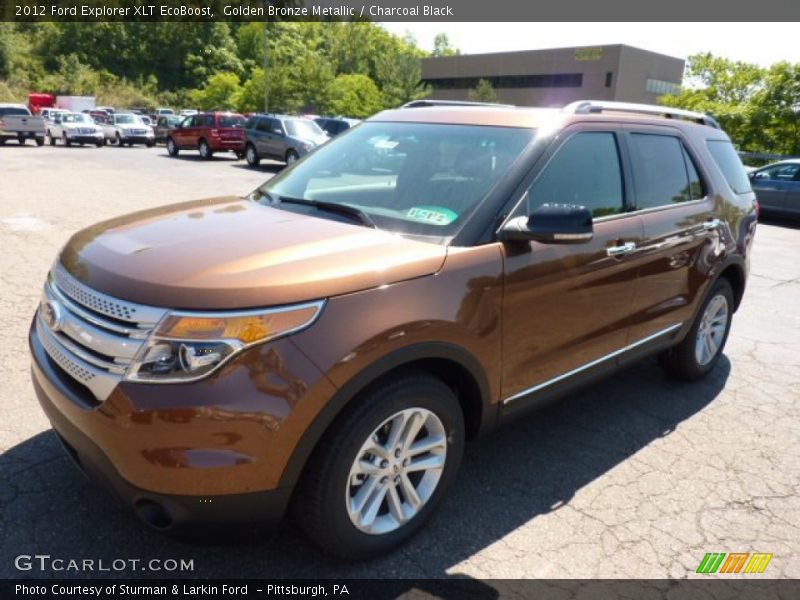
[584, 171]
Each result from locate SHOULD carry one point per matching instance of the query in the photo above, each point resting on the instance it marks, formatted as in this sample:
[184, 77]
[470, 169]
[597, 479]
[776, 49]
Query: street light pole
[266, 66]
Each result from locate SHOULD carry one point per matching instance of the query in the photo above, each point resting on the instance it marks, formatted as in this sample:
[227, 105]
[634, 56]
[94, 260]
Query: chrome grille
[93, 337]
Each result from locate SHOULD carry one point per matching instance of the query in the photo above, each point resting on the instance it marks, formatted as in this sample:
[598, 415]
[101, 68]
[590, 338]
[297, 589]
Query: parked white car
[49, 114]
[188, 112]
[74, 128]
[127, 128]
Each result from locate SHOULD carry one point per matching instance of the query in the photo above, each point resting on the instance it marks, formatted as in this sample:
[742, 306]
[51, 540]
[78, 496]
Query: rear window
[13, 110]
[231, 121]
[730, 164]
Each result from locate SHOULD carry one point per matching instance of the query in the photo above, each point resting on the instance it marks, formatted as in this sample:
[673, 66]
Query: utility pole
[266, 66]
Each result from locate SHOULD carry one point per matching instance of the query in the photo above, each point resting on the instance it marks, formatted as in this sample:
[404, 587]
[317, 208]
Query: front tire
[251, 155]
[701, 349]
[291, 158]
[66, 141]
[51, 139]
[40, 141]
[382, 468]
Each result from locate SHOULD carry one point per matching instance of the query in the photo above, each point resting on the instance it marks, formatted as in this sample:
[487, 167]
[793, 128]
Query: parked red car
[208, 133]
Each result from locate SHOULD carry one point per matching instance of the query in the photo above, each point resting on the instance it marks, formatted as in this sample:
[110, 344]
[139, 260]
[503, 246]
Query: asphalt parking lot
[636, 477]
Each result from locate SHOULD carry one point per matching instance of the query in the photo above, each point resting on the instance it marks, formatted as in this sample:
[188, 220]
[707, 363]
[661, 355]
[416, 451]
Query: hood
[80, 126]
[224, 253]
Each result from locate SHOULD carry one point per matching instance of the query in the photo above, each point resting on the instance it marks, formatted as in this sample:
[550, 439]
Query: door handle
[621, 249]
[711, 225]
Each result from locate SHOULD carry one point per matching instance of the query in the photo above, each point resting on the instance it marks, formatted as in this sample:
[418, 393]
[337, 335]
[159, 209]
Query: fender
[382, 366]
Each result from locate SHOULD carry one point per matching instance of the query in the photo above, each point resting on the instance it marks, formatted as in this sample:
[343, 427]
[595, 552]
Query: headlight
[186, 346]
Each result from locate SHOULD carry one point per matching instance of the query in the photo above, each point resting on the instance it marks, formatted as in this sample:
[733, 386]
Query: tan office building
[558, 76]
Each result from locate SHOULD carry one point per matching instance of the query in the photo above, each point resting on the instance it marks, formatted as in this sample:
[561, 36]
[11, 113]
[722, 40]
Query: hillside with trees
[759, 107]
[354, 69]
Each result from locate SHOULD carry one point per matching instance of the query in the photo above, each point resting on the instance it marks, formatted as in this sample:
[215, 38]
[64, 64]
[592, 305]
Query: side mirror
[551, 224]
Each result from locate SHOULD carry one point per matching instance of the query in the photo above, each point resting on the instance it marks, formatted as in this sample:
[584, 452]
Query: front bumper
[137, 139]
[86, 138]
[177, 455]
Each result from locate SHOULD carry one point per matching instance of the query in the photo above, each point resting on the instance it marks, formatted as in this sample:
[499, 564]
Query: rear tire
[40, 141]
[150, 144]
[333, 500]
[698, 353]
[172, 147]
[205, 150]
[100, 144]
[251, 155]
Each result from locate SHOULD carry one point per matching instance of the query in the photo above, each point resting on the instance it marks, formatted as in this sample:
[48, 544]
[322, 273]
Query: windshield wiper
[333, 207]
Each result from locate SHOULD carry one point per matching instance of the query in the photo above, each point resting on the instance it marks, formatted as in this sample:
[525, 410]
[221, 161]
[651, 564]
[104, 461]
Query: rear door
[566, 307]
[681, 231]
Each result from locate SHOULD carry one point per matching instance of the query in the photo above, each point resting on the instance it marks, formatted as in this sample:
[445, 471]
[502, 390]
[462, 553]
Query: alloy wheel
[396, 471]
[711, 331]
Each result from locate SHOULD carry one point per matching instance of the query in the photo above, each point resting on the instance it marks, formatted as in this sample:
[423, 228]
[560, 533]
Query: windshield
[231, 121]
[75, 118]
[127, 119]
[303, 128]
[410, 178]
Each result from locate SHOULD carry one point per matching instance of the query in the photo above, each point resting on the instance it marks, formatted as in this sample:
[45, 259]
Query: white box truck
[75, 103]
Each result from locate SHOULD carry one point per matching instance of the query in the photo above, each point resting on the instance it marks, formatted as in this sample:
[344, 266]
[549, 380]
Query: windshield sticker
[386, 144]
[434, 215]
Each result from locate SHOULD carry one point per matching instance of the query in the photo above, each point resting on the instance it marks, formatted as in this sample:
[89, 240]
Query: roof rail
[598, 106]
[424, 103]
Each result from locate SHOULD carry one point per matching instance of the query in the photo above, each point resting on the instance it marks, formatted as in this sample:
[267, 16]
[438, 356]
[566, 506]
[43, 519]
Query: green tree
[354, 96]
[220, 93]
[442, 47]
[757, 106]
[483, 92]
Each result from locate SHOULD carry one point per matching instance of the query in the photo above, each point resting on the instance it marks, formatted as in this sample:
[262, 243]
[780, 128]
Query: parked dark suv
[330, 341]
[208, 133]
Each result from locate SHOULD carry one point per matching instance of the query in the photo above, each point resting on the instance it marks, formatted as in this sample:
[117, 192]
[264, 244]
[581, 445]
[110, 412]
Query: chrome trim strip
[100, 382]
[100, 340]
[591, 364]
[104, 304]
[93, 319]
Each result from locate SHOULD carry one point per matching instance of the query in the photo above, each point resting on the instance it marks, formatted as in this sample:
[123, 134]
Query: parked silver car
[280, 137]
[74, 128]
[127, 128]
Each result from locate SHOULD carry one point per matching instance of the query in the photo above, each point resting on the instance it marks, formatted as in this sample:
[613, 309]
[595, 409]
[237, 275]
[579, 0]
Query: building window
[609, 76]
[554, 80]
[656, 86]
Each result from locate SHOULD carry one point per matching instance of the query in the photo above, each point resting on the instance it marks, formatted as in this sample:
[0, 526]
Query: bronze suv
[330, 341]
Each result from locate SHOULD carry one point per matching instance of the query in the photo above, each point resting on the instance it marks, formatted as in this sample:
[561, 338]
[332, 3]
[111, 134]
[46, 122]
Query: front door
[566, 308]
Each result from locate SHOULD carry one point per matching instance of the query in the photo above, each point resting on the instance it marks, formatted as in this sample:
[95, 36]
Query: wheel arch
[735, 274]
[452, 364]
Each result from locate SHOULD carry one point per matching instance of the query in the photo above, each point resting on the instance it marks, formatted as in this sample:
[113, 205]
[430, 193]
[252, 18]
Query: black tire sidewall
[343, 538]
[685, 363]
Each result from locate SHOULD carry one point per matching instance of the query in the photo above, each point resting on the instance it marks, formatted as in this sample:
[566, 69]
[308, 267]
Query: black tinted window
[263, 125]
[585, 171]
[730, 164]
[660, 173]
[231, 121]
[13, 110]
[696, 186]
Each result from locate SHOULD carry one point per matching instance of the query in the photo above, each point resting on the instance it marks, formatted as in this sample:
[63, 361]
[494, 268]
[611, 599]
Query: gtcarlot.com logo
[46, 562]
